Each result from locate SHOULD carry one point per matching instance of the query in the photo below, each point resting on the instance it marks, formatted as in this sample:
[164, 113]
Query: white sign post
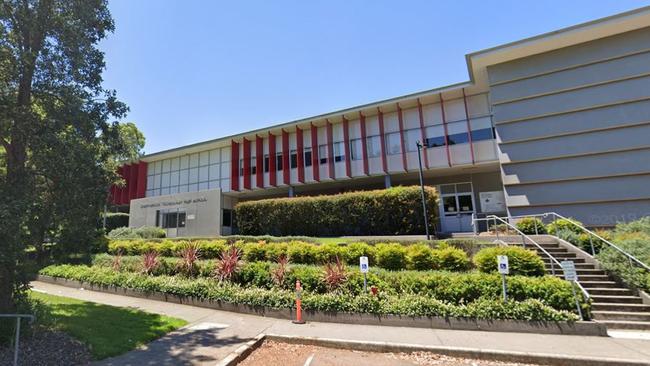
[504, 269]
[570, 274]
[363, 267]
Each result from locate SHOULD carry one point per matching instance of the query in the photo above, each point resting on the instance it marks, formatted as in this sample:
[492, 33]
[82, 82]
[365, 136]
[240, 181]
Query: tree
[133, 141]
[60, 147]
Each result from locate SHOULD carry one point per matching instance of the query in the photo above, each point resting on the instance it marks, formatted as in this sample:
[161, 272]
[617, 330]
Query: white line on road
[308, 362]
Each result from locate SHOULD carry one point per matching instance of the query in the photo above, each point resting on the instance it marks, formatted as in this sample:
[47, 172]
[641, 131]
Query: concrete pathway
[212, 334]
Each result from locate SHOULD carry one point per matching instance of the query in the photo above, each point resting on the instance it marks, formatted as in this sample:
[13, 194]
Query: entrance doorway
[456, 207]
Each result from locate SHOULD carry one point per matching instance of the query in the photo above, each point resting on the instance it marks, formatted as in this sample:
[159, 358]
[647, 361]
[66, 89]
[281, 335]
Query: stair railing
[525, 237]
[632, 259]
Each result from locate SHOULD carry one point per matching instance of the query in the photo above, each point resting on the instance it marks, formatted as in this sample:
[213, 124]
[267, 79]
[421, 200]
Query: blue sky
[196, 70]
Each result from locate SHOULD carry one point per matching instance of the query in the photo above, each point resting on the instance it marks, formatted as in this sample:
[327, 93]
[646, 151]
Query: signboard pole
[504, 269]
[363, 267]
[573, 288]
[505, 290]
[571, 275]
[365, 283]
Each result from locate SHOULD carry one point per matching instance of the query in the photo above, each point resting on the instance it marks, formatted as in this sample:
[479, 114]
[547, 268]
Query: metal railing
[17, 342]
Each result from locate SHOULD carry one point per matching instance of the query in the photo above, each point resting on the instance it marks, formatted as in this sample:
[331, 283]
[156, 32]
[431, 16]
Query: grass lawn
[107, 330]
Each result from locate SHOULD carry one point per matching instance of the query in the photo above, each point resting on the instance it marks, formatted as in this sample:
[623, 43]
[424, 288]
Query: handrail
[629, 256]
[524, 237]
[584, 290]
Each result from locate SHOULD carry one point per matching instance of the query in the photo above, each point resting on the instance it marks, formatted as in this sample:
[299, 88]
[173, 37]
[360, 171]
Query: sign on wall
[491, 202]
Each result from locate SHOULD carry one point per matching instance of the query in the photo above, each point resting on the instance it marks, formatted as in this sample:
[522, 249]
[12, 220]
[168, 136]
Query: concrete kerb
[463, 352]
[242, 352]
[585, 328]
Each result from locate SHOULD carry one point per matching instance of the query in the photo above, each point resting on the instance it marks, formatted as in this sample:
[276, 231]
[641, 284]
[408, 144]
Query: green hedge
[531, 226]
[405, 304]
[521, 261]
[446, 286]
[393, 211]
[115, 220]
[144, 232]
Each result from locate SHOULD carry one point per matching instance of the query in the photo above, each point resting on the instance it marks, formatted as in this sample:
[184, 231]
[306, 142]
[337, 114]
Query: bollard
[298, 304]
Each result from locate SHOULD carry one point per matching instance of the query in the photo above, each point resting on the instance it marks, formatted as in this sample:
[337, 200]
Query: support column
[315, 159]
[469, 127]
[382, 139]
[272, 159]
[400, 119]
[346, 143]
[424, 134]
[444, 124]
[142, 180]
[234, 165]
[364, 142]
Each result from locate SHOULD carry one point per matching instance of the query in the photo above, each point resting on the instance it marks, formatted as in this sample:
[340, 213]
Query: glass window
[204, 158]
[164, 191]
[194, 160]
[448, 188]
[150, 182]
[214, 156]
[214, 171]
[203, 186]
[181, 219]
[278, 161]
[173, 180]
[158, 167]
[185, 162]
[294, 159]
[322, 154]
[339, 151]
[176, 164]
[465, 203]
[483, 134]
[355, 149]
[412, 137]
[374, 146]
[203, 174]
[170, 220]
[266, 163]
[449, 204]
[166, 165]
[393, 144]
[253, 165]
[194, 175]
[308, 161]
[184, 177]
[241, 167]
[156, 181]
[435, 136]
[226, 217]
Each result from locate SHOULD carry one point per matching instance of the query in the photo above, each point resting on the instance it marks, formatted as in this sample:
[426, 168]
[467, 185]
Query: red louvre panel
[286, 168]
[133, 181]
[142, 180]
[424, 136]
[315, 159]
[259, 161]
[124, 192]
[330, 150]
[234, 166]
[400, 119]
[364, 143]
[346, 142]
[382, 140]
[469, 126]
[444, 124]
[272, 160]
[247, 164]
[300, 146]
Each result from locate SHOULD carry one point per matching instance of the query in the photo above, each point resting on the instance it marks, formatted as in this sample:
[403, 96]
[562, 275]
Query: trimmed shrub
[391, 256]
[353, 251]
[300, 252]
[450, 259]
[521, 261]
[469, 246]
[531, 226]
[564, 225]
[393, 211]
[115, 220]
[420, 257]
[144, 232]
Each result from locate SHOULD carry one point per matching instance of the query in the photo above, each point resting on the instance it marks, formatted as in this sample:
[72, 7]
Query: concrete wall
[203, 212]
[573, 129]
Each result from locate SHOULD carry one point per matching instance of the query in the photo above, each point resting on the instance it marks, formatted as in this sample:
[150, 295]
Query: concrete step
[634, 308]
[600, 284]
[616, 299]
[587, 278]
[624, 324]
[621, 315]
[575, 260]
[533, 246]
[611, 291]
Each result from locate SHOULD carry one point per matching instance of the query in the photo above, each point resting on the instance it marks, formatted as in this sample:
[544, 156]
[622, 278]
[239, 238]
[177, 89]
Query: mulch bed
[46, 347]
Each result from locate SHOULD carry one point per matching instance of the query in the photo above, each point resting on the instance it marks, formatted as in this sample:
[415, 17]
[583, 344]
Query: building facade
[558, 122]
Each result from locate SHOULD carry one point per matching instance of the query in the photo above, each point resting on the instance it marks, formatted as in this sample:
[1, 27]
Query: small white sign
[569, 269]
[191, 217]
[492, 202]
[363, 264]
[504, 267]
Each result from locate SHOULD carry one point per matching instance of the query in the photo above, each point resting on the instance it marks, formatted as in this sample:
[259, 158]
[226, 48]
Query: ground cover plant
[409, 304]
[107, 330]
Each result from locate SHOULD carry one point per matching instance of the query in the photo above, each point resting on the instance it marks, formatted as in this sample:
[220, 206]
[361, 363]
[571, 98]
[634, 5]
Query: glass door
[457, 207]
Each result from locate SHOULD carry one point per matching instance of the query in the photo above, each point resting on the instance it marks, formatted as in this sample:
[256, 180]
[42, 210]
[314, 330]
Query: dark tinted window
[226, 217]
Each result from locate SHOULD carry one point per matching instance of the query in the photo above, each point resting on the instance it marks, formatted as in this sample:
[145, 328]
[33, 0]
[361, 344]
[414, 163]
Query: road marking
[207, 326]
[308, 362]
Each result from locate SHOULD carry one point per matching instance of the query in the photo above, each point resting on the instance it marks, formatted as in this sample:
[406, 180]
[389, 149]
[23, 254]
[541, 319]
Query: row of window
[175, 218]
[373, 146]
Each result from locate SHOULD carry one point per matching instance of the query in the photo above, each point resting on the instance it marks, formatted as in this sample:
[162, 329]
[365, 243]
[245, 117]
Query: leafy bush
[393, 211]
[408, 304]
[115, 220]
[391, 256]
[468, 245]
[531, 226]
[144, 232]
[564, 225]
[450, 259]
[420, 257]
[300, 252]
[521, 261]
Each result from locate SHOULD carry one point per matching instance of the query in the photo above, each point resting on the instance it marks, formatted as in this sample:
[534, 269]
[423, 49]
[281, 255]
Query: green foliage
[407, 303]
[391, 256]
[300, 252]
[115, 220]
[521, 261]
[564, 225]
[450, 259]
[420, 257]
[144, 232]
[531, 226]
[394, 211]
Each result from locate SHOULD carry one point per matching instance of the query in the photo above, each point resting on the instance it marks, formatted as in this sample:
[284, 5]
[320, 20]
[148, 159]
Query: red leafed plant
[190, 254]
[228, 264]
[150, 262]
[335, 274]
[280, 272]
[117, 261]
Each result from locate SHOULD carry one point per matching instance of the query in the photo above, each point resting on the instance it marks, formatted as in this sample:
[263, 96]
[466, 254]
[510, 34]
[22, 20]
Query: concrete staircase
[612, 304]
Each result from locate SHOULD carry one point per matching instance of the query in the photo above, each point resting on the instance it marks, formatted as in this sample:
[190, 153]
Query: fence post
[16, 346]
